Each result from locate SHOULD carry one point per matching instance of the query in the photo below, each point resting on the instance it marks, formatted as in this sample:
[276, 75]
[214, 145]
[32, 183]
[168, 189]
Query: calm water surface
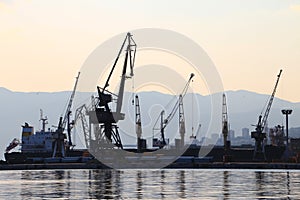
[150, 184]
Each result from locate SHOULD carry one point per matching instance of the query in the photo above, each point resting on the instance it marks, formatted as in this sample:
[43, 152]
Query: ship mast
[44, 120]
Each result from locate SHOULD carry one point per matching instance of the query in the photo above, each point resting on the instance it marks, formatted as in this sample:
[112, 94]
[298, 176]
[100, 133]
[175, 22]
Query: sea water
[150, 184]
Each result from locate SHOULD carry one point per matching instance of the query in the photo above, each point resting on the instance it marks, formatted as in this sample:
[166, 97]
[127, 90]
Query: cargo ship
[39, 147]
[47, 145]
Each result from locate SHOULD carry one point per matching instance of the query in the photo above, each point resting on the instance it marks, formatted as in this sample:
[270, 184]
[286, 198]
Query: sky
[43, 44]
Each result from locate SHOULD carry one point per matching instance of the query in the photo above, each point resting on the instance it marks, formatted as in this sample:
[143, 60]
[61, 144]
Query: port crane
[138, 123]
[59, 136]
[259, 135]
[181, 121]
[225, 125]
[80, 114]
[102, 113]
[164, 122]
[197, 132]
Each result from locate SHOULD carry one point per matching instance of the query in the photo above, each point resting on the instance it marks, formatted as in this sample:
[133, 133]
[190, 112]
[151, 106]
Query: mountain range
[243, 107]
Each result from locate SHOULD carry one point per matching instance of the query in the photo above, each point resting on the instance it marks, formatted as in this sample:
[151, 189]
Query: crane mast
[162, 129]
[138, 123]
[258, 134]
[225, 125]
[181, 121]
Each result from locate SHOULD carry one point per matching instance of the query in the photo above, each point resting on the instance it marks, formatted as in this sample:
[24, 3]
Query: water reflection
[162, 184]
[150, 184]
[225, 185]
[273, 184]
[165, 184]
[61, 188]
[136, 184]
[104, 184]
[259, 176]
[181, 184]
[139, 183]
[41, 180]
[288, 184]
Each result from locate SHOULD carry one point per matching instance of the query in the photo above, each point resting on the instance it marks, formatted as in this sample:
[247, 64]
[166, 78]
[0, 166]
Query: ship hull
[39, 157]
[235, 154]
[243, 154]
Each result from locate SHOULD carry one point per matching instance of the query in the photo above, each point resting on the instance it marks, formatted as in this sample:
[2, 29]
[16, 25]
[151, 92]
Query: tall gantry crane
[259, 135]
[102, 113]
[59, 136]
[181, 121]
[166, 121]
[225, 125]
[138, 122]
[225, 122]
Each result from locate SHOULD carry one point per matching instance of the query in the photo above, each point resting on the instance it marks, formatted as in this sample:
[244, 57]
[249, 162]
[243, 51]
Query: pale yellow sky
[44, 43]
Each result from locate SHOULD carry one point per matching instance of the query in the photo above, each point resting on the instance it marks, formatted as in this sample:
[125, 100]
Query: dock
[187, 165]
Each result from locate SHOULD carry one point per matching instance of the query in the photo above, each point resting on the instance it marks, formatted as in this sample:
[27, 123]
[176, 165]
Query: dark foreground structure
[187, 163]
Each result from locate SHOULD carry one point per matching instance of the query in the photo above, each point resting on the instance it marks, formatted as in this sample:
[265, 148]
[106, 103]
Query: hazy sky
[44, 43]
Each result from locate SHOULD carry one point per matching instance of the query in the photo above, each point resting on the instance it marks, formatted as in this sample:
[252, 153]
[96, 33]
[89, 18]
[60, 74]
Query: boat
[39, 147]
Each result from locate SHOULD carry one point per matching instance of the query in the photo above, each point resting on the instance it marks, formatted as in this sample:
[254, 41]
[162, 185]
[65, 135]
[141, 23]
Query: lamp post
[287, 112]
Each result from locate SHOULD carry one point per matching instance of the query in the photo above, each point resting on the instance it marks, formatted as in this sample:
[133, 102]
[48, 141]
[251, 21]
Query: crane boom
[264, 120]
[131, 43]
[68, 110]
[176, 106]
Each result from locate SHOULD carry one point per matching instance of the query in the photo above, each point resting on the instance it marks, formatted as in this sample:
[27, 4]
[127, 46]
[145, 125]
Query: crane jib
[264, 119]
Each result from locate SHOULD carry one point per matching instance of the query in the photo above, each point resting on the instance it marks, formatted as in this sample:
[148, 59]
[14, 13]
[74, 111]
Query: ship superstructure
[38, 142]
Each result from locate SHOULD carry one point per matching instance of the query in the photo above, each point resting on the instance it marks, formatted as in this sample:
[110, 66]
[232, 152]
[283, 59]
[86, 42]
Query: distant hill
[16, 108]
